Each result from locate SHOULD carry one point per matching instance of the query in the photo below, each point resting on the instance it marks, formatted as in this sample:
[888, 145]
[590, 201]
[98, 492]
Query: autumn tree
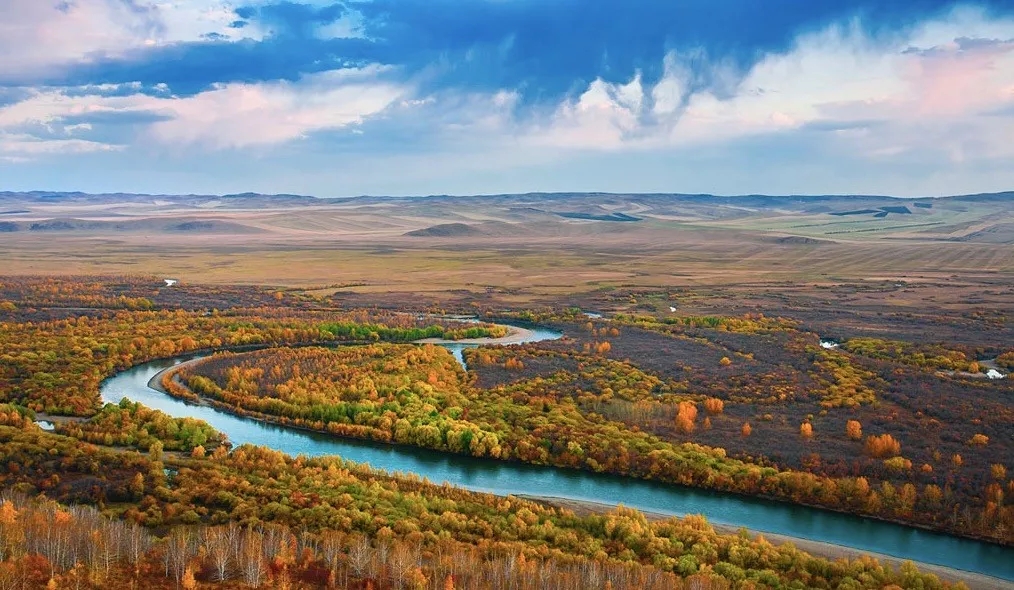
[882, 446]
[221, 544]
[155, 451]
[178, 548]
[685, 417]
[714, 405]
[514, 364]
[251, 557]
[10, 531]
[978, 440]
[360, 554]
[854, 430]
[188, 582]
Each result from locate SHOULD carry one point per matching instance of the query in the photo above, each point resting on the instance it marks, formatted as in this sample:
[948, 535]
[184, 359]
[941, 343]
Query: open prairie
[532, 244]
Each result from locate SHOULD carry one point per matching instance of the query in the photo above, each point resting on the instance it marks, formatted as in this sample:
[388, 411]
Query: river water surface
[498, 477]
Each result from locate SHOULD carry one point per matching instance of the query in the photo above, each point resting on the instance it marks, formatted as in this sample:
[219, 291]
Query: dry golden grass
[364, 244]
[539, 265]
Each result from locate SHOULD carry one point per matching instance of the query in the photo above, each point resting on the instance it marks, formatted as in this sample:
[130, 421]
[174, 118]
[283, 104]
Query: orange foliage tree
[882, 446]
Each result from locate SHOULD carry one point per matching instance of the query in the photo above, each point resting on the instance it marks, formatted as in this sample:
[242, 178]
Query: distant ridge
[580, 217]
[295, 199]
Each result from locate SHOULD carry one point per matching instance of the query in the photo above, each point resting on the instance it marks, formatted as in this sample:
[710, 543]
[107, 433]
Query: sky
[416, 97]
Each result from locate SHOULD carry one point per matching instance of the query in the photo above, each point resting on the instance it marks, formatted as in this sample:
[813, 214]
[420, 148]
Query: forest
[258, 517]
[888, 428]
[576, 407]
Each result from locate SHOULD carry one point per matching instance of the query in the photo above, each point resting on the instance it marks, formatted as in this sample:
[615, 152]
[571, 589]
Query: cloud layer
[491, 95]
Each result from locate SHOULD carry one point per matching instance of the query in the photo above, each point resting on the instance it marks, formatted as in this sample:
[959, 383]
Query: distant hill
[445, 230]
[241, 200]
[565, 217]
[66, 225]
[607, 217]
[489, 229]
[801, 240]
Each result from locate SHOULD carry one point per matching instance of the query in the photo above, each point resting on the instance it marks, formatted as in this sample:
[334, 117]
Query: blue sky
[414, 97]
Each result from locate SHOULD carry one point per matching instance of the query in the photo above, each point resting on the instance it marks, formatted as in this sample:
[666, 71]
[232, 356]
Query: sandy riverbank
[817, 548]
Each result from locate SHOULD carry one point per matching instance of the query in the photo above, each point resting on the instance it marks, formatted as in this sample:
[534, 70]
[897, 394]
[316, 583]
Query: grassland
[536, 267]
[521, 244]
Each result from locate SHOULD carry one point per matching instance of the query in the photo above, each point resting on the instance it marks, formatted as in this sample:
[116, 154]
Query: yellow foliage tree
[979, 440]
[685, 417]
[713, 405]
[188, 582]
[882, 446]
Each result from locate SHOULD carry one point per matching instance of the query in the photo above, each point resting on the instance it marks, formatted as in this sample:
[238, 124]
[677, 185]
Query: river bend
[487, 475]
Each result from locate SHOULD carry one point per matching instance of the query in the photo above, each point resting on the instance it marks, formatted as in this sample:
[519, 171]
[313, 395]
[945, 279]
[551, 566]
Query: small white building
[994, 374]
[170, 282]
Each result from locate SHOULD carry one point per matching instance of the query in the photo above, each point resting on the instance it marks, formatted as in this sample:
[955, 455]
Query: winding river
[497, 477]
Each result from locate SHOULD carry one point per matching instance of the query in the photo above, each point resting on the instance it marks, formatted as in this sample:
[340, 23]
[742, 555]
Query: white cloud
[669, 93]
[39, 35]
[50, 107]
[349, 26]
[600, 118]
[240, 115]
[191, 20]
[42, 37]
[228, 116]
[71, 129]
[22, 147]
[934, 82]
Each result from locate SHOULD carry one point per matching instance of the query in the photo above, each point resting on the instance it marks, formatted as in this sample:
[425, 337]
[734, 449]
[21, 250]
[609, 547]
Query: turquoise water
[513, 478]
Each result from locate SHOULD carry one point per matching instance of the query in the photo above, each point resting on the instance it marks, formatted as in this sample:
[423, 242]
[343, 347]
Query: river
[502, 478]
